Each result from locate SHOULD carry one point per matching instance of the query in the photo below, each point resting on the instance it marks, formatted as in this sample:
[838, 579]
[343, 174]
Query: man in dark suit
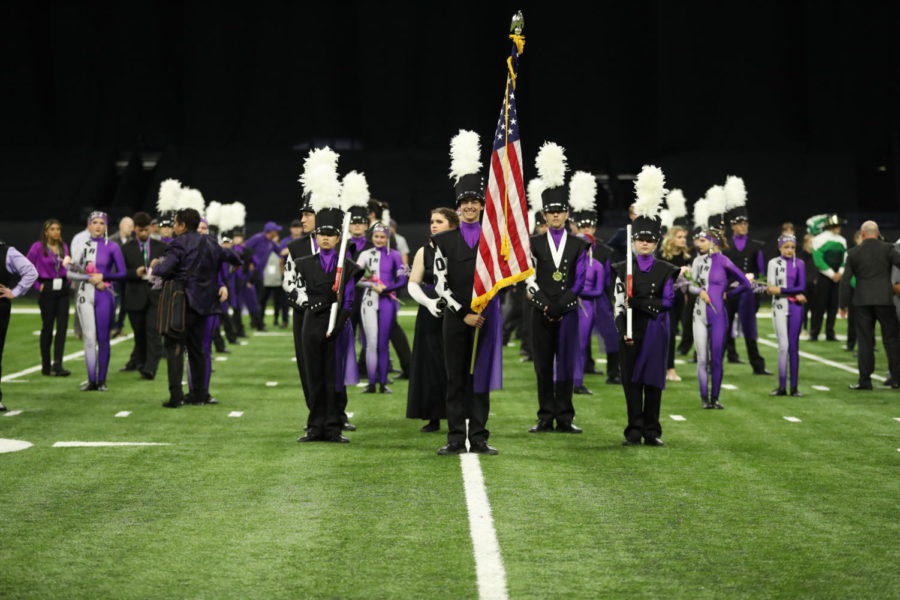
[870, 262]
[193, 259]
[141, 301]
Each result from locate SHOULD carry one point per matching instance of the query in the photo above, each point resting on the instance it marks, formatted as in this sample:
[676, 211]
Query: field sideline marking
[824, 361]
[98, 444]
[677, 418]
[489, 569]
[72, 356]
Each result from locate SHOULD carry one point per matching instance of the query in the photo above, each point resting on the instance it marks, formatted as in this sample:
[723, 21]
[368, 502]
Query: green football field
[740, 503]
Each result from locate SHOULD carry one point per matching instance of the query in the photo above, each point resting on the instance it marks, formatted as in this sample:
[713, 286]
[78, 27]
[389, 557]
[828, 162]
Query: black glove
[554, 311]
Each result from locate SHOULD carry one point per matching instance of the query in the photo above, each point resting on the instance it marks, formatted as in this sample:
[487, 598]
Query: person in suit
[560, 269]
[141, 301]
[870, 263]
[195, 260]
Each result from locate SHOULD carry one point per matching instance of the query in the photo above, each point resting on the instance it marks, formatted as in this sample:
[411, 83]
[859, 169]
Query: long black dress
[426, 398]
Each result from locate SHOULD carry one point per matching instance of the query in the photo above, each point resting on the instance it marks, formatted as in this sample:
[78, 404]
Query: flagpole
[628, 276]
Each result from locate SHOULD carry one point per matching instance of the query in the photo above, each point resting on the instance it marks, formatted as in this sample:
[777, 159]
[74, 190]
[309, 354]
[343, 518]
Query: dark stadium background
[103, 100]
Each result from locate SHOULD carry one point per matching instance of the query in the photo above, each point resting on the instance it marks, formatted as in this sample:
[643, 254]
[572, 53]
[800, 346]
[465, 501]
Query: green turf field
[741, 503]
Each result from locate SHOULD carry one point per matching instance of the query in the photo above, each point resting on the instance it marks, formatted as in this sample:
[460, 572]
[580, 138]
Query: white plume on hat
[232, 215]
[551, 165]
[214, 213]
[536, 187]
[582, 191]
[735, 192]
[323, 186]
[676, 203]
[666, 218]
[649, 187]
[354, 190]
[715, 197]
[701, 213]
[318, 159]
[465, 154]
[191, 198]
[167, 200]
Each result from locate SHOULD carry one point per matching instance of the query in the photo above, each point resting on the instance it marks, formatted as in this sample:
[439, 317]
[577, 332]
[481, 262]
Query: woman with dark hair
[427, 392]
[674, 250]
[99, 262]
[50, 255]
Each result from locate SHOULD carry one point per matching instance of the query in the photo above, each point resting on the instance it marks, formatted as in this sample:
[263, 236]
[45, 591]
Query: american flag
[504, 252]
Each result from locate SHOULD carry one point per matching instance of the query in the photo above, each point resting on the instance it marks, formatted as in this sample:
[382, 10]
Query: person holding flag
[466, 332]
[560, 264]
[646, 290]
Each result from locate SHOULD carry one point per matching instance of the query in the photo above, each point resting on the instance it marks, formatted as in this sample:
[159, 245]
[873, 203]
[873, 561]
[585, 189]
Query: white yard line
[72, 356]
[236, 413]
[98, 444]
[824, 361]
[123, 413]
[489, 569]
[677, 418]
[792, 419]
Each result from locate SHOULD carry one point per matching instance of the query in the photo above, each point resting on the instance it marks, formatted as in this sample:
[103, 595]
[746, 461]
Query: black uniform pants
[865, 338]
[824, 304]
[462, 402]
[676, 311]
[298, 352]
[147, 341]
[642, 401]
[54, 307]
[191, 340]
[5, 310]
[554, 397]
[320, 363]
[401, 346]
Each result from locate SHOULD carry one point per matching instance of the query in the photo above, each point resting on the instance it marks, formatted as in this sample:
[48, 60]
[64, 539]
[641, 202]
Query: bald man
[870, 262]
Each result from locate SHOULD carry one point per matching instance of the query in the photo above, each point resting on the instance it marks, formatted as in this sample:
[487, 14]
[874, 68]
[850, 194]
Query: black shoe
[735, 360]
[348, 427]
[173, 403]
[706, 404]
[46, 372]
[542, 427]
[894, 384]
[383, 389]
[482, 448]
[128, 368]
[309, 437]
[224, 350]
[60, 372]
[452, 448]
[653, 442]
[370, 389]
[615, 380]
[210, 400]
[147, 376]
[860, 386]
[830, 338]
[338, 439]
[192, 400]
[582, 390]
[101, 386]
[778, 392]
[90, 386]
[432, 425]
[715, 404]
[2, 407]
[762, 371]
[627, 442]
[796, 393]
[812, 338]
[568, 428]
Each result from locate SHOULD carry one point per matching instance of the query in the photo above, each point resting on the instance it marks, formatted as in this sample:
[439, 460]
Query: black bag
[172, 312]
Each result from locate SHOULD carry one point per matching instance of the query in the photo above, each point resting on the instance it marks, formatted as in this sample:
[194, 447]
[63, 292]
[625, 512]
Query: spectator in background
[49, 255]
[870, 263]
[125, 235]
[13, 266]
[829, 255]
[402, 245]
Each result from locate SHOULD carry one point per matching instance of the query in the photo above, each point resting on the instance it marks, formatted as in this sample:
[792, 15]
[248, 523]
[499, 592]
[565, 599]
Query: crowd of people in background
[698, 281]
